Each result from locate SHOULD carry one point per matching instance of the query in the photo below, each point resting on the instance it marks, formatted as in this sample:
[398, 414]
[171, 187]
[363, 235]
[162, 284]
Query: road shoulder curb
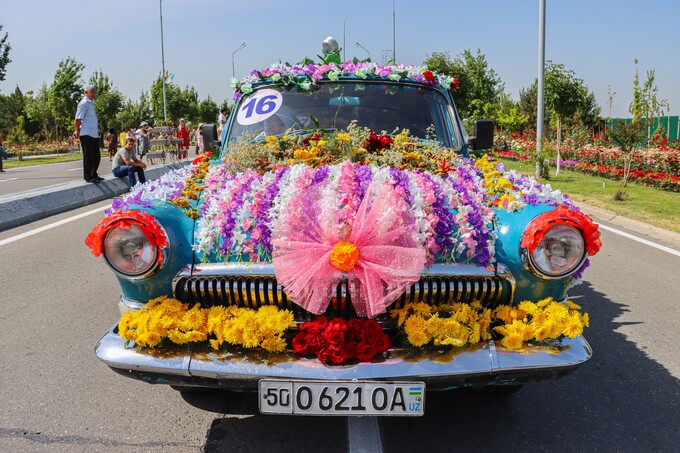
[26, 207]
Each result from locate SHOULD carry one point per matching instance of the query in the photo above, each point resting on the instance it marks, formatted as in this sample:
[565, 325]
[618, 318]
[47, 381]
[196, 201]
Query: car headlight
[560, 253]
[128, 251]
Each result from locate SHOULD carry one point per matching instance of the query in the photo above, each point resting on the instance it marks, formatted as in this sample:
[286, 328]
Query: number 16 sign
[259, 107]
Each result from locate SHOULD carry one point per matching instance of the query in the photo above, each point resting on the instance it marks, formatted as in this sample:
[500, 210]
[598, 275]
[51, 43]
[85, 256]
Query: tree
[477, 81]
[38, 108]
[589, 112]
[564, 94]
[65, 92]
[9, 111]
[133, 113]
[646, 104]
[513, 120]
[528, 103]
[109, 101]
[628, 137]
[4, 55]
[207, 110]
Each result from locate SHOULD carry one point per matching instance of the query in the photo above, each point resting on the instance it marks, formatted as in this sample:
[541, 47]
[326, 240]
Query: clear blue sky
[598, 39]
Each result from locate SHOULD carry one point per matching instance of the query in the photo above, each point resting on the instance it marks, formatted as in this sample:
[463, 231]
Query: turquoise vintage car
[339, 251]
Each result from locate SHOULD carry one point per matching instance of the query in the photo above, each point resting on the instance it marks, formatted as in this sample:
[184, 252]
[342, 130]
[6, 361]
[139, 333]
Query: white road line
[10, 179]
[50, 226]
[74, 169]
[640, 240]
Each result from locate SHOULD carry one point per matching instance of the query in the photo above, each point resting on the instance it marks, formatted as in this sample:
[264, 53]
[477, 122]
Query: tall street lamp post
[365, 49]
[541, 87]
[165, 108]
[233, 72]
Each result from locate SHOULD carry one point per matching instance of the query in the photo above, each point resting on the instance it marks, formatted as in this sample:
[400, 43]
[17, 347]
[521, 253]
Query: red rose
[455, 83]
[313, 344]
[372, 325]
[316, 325]
[317, 136]
[385, 141]
[428, 76]
[338, 355]
[305, 141]
[334, 337]
[300, 343]
[381, 343]
[365, 351]
[351, 350]
[324, 355]
[368, 336]
[338, 324]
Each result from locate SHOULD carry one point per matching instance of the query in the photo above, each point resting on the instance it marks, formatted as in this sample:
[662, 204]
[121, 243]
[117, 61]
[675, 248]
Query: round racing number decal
[259, 107]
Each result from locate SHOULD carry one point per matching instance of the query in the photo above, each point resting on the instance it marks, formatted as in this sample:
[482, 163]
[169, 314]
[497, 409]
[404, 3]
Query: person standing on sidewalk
[111, 142]
[183, 134]
[3, 152]
[143, 143]
[125, 163]
[87, 128]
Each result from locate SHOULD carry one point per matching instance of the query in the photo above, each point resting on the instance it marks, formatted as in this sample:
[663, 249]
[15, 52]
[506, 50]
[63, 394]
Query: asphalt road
[57, 300]
[20, 179]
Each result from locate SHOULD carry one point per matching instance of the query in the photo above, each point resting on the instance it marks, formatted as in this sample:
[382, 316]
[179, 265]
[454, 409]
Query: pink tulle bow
[390, 257]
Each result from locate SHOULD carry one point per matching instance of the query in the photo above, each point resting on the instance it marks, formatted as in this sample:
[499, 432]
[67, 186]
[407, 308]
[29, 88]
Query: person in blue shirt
[87, 128]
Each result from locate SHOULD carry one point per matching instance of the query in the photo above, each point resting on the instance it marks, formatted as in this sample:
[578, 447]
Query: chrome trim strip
[470, 362]
[125, 304]
[112, 351]
[267, 269]
[254, 285]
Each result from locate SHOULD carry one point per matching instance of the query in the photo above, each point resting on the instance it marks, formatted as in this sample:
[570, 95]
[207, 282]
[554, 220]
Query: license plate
[341, 397]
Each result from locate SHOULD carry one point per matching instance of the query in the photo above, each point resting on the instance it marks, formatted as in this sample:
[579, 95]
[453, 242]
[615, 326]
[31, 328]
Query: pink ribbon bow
[390, 259]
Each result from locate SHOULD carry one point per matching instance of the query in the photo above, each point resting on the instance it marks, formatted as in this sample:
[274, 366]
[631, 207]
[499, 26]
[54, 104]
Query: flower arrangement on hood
[451, 214]
[305, 76]
[181, 187]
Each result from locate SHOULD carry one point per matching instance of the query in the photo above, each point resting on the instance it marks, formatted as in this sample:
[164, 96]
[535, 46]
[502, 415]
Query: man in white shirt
[222, 119]
[87, 128]
[125, 163]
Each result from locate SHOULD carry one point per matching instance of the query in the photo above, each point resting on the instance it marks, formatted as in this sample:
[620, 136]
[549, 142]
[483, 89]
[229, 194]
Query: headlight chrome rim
[155, 263]
[530, 262]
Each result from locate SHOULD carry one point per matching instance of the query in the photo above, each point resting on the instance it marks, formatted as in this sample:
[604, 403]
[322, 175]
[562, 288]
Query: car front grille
[253, 285]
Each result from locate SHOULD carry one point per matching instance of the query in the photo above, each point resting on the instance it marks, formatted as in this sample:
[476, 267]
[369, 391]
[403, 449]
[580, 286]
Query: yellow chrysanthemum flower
[513, 341]
[304, 153]
[274, 344]
[415, 331]
[344, 137]
[573, 306]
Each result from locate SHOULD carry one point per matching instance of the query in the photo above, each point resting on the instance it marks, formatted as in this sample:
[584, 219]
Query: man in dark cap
[87, 128]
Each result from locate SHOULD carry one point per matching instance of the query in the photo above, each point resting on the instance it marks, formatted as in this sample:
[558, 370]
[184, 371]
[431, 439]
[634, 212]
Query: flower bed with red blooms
[657, 167]
[338, 341]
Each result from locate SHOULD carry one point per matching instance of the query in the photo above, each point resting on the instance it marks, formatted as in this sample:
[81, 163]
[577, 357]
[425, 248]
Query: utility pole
[165, 108]
[541, 87]
[394, 35]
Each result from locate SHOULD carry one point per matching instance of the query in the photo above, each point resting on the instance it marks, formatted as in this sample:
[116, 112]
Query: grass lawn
[653, 206]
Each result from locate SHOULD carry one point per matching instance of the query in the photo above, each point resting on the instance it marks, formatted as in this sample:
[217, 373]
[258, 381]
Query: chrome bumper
[484, 364]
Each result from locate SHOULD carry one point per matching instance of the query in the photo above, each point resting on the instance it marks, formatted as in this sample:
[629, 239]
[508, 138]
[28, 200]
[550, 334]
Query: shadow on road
[620, 401]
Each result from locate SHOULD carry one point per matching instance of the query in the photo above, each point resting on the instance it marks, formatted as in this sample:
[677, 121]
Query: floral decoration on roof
[305, 76]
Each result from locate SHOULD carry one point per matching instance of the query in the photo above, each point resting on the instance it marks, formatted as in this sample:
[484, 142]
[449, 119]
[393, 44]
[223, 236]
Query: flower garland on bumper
[165, 321]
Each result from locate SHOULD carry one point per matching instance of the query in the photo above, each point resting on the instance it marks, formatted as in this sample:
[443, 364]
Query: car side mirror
[210, 138]
[482, 135]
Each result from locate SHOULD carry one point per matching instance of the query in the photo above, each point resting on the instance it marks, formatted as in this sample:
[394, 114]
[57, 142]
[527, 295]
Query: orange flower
[344, 256]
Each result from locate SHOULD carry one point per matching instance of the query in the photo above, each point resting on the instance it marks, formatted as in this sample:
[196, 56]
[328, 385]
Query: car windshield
[379, 106]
